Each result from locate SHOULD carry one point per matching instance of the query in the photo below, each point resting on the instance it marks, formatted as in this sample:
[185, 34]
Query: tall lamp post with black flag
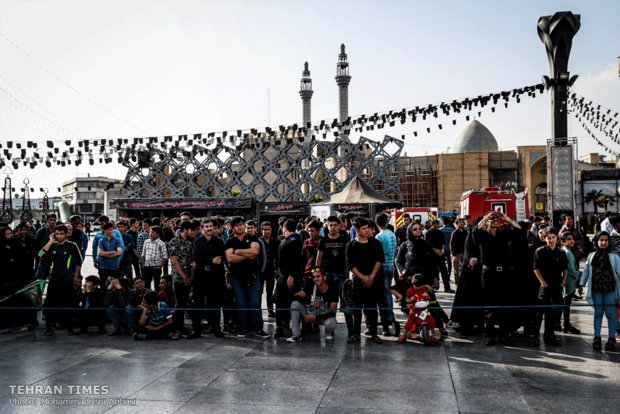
[557, 32]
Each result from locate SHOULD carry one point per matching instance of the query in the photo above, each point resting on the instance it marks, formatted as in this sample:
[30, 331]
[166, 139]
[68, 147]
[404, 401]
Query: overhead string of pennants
[596, 117]
[71, 151]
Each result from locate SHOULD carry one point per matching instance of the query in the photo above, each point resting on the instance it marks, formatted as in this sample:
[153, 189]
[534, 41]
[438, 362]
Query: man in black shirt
[551, 269]
[268, 276]
[401, 232]
[315, 303]
[290, 279]
[457, 248]
[437, 240]
[364, 258]
[241, 252]
[331, 253]
[208, 281]
[493, 243]
[64, 260]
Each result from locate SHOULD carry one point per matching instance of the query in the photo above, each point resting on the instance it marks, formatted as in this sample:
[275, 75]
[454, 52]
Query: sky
[123, 69]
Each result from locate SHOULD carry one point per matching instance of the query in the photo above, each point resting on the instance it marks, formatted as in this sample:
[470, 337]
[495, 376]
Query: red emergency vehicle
[477, 203]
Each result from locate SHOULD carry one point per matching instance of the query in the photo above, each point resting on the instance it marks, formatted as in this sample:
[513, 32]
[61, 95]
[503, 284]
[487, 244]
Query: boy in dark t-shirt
[331, 253]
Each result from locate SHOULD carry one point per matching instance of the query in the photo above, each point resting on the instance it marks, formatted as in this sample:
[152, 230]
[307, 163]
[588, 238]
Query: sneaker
[453, 325]
[329, 337]
[262, 334]
[139, 337]
[20, 329]
[596, 344]
[294, 339]
[242, 334]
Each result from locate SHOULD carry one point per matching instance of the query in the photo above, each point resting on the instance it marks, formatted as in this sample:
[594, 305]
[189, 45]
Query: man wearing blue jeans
[388, 242]
[241, 252]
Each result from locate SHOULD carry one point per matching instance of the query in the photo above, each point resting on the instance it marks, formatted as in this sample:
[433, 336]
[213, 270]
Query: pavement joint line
[330, 382]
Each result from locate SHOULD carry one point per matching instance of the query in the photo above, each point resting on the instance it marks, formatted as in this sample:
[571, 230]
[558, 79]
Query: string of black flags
[596, 117]
[68, 151]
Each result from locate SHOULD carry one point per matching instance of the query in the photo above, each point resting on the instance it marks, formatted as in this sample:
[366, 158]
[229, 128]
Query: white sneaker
[329, 337]
[294, 339]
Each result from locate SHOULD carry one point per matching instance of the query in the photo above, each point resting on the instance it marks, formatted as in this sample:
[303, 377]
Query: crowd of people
[155, 273]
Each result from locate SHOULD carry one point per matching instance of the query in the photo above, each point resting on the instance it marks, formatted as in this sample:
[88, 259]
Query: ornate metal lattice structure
[6, 215]
[268, 171]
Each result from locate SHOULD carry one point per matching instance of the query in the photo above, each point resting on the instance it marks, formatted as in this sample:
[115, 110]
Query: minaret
[305, 91]
[342, 80]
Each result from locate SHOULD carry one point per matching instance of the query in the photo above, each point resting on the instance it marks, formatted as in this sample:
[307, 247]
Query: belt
[498, 268]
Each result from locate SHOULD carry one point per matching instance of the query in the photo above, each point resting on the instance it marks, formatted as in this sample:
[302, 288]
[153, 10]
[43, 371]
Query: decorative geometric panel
[269, 171]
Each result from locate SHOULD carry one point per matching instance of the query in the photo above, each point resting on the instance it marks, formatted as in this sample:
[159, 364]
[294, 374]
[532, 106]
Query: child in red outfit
[417, 292]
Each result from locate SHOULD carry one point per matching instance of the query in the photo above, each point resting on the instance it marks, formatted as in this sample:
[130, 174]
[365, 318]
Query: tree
[605, 200]
[592, 197]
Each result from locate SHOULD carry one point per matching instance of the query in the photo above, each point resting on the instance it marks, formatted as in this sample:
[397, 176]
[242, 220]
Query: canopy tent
[358, 197]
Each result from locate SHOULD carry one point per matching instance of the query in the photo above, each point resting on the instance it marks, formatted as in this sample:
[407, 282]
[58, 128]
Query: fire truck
[477, 203]
[416, 213]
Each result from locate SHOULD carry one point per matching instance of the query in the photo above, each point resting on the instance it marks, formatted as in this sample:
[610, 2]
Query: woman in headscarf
[602, 273]
[417, 252]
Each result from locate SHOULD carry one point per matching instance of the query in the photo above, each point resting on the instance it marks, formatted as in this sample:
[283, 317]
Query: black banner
[284, 209]
[361, 209]
[183, 203]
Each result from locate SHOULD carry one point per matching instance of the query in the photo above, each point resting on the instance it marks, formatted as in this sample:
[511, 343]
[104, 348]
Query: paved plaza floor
[252, 375]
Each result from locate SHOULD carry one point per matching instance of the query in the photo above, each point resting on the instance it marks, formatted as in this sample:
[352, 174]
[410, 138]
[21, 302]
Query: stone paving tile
[159, 407]
[212, 408]
[481, 402]
[387, 381]
[260, 395]
[188, 375]
[275, 379]
[167, 391]
[389, 400]
[580, 404]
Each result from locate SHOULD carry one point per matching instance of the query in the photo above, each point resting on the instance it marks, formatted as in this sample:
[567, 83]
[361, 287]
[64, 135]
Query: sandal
[377, 340]
[596, 344]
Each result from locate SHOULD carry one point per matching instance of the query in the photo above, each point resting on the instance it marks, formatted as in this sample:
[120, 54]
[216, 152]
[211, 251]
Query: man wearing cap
[241, 252]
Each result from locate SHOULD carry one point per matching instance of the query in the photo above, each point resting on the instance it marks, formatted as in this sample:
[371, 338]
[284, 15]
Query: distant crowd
[154, 274]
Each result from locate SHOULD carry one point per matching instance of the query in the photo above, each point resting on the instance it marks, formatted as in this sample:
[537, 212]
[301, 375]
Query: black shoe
[262, 334]
[534, 342]
[279, 333]
[558, 328]
[572, 330]
[553, 340]
[505, 341]
[194, 335]
[242, 334]
[396, 327]
[490, 341]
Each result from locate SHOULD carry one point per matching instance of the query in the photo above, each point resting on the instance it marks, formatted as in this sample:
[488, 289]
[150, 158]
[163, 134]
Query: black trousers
[207, 297]
[135, 261]
[368, 299]
[181, 296]
[494, 286]
[59, 295]
[150, 274]
[551, 295]
[268, 278]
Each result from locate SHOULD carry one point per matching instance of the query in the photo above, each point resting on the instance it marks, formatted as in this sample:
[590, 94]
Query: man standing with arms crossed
[241, 252]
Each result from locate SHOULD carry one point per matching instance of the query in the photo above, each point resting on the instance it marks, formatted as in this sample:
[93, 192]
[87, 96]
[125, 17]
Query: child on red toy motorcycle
[418, 297]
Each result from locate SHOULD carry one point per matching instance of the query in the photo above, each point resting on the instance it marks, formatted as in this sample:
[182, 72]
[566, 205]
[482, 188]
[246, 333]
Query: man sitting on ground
[156, 319]
[316, 304]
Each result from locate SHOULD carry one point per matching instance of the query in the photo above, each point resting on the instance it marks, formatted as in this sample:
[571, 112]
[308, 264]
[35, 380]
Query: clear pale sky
[124, 69]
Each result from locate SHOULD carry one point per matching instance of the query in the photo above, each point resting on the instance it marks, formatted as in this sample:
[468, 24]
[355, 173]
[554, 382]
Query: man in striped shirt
[154, 257]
